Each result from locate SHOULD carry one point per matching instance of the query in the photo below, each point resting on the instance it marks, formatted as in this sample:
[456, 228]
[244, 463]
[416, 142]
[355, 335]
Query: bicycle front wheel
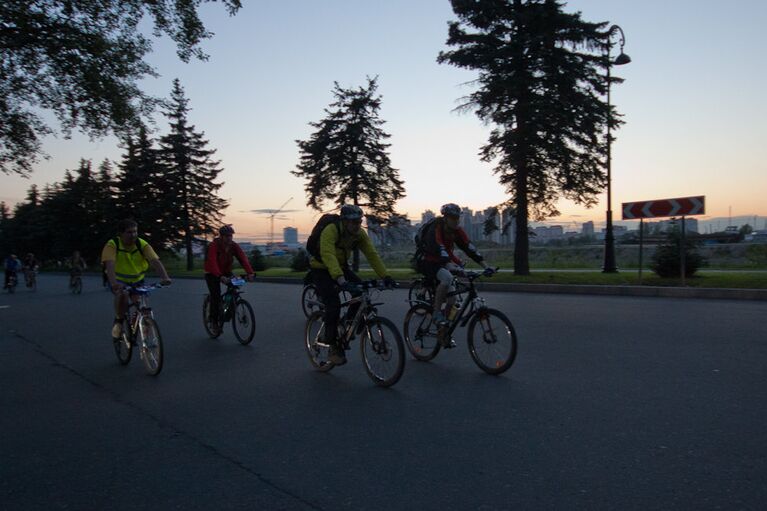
[77, 286]
[310, 300]
[492, 341]
[421, 333]
[122, 345]
[244, 322]
[383, 352]
[150, 344]
[314, 339]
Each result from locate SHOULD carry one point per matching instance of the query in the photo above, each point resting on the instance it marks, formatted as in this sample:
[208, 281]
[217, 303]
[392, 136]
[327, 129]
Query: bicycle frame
[365, 312]
[232, 290]
[137, 309]
[472, 303]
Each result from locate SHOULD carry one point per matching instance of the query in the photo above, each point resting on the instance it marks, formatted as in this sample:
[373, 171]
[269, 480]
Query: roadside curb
[579, 289]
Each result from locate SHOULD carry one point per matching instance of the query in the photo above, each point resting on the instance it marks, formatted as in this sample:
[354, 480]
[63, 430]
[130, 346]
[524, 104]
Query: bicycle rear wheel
[150, 345]
[383, 352]
[492, 341]
[421, 333]
[243, 322]
[310, 300]
[314, 340]
[213, 330]
[122, 345]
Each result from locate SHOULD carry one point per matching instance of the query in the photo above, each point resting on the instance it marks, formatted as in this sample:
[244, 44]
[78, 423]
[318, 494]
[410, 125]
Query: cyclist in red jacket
[218, 267]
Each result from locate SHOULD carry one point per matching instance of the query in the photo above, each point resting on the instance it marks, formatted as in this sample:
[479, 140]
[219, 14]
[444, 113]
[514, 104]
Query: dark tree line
[168, 186]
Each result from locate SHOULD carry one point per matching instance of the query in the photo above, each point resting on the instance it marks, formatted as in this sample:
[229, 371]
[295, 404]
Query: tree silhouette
[83, 62]
[187, 189]
[346, 159]
[140, 194]
[540, 85]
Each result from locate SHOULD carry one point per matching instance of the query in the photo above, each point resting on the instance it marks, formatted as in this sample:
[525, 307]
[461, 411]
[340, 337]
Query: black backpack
[425, 242]
[313, 243]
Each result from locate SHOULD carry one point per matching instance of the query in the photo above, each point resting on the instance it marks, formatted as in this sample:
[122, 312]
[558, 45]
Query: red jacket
[219, 260]
[444, 242]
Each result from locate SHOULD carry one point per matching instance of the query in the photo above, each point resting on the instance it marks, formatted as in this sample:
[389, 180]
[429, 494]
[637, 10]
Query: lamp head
[622, 59]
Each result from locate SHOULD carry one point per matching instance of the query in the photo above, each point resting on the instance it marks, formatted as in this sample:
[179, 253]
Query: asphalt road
[613, 403]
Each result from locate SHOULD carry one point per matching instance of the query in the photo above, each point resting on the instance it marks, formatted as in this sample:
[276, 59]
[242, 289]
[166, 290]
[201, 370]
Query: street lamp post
[609, 262]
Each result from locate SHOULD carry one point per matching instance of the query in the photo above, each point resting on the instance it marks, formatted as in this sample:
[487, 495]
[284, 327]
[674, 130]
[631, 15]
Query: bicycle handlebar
[143, 288]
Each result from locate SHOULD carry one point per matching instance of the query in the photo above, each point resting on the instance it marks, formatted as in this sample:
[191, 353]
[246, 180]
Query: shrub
[257, 260]
[666, 259]
[300, 261]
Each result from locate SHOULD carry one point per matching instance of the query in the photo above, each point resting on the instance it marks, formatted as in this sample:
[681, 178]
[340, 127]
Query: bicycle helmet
[450, 209]
[351, 212]
[226, 230]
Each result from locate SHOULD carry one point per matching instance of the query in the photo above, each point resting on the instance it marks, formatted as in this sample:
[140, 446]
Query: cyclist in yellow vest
[127, 258]
[331, 272]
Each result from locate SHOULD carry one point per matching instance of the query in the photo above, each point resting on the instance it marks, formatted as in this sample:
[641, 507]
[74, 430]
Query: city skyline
[692, 127]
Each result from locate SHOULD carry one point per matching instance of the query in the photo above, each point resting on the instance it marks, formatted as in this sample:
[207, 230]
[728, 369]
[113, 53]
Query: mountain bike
[490, 335]
[310, 299]
[383, 352]
[234, 308]
[30, 278]
[76, 282]
[140, 329]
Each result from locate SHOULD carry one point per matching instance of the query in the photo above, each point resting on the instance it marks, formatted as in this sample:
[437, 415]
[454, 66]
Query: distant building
[467, 216]
[544, 233]
[290, 236]
[508, 227]
[587, 229]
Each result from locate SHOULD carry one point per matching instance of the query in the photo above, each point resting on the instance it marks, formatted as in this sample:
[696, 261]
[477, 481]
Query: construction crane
[272, 214]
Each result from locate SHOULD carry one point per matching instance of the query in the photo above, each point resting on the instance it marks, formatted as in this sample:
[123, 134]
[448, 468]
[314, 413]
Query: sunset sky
[693, 102]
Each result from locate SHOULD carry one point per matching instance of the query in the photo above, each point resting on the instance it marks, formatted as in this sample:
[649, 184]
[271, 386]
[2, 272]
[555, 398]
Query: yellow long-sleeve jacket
[336, 248]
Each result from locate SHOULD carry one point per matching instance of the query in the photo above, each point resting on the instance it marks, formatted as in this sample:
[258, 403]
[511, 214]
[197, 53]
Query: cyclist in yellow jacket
[330, 270]
[126, 258]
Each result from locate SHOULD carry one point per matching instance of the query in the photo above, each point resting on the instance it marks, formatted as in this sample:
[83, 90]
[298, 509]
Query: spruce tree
[139, 186]
[540, 85]
[346, 159]
[188, 184]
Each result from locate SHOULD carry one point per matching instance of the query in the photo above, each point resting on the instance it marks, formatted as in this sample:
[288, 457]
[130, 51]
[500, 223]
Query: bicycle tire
[77, 286]
[422, 341]
[205, 315]
[123, 345]
[499, 360]
[150, 346]
[313, 333]
[243, 322]
[310, 301]
[385, 349]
